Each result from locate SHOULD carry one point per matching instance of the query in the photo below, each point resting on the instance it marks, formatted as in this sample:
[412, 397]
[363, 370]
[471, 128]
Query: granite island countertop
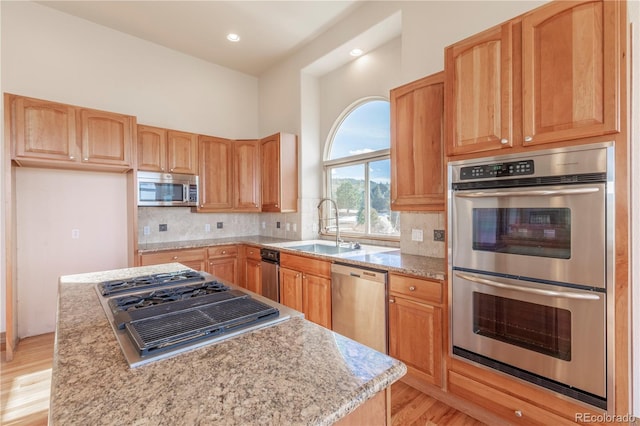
[294, 372]
[392, 259]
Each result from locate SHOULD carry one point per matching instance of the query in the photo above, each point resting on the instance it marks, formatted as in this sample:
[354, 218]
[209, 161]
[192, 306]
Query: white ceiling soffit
[379, 34]
[269, 30]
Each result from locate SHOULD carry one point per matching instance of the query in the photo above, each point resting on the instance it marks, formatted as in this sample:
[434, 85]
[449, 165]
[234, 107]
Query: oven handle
[537, 291]
[534, 193]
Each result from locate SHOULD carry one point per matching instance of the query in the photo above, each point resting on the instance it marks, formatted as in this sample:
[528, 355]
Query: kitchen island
[294, 372]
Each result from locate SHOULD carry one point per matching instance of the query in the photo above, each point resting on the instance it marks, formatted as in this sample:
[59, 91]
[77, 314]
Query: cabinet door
[182, 152]
[106, 137]
[215, 170]
[44, 130]
[279, 172]
[254, 276]
[152, 148]
[417, 171]
[478, 73]
[223, 269]
[316, 294]
[571, 64]
[291, 289]
[246, 175]
[415, 337]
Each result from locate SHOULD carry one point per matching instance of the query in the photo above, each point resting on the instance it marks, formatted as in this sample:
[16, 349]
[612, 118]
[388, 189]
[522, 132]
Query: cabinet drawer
[422, 289]
[222, 251]
[252, 252]
[171, 256]
[306, 265]
[509, 407]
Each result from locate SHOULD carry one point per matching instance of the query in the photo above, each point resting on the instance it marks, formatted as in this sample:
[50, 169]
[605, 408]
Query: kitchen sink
[322, 249]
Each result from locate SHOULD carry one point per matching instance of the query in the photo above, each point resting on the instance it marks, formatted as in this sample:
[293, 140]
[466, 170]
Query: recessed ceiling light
[356, 52]
[233, 37]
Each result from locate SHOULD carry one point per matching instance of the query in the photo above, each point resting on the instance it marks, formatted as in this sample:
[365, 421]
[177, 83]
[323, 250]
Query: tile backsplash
[182, 225]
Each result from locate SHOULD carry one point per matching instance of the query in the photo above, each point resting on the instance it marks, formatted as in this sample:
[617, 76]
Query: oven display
[515, 168]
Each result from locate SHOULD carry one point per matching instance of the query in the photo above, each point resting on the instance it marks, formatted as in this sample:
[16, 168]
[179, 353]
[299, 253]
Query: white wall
[51, 55]
[49, 205]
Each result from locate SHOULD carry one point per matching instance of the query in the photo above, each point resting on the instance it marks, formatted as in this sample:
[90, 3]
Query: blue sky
[365, 129]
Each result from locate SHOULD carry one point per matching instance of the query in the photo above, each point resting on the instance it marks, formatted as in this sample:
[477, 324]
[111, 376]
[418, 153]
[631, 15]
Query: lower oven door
[551, 335]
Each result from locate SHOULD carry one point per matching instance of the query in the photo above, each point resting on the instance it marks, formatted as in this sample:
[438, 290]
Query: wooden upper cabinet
[550, 75]
[246, 175]
[279, 171]
[182, 152]
[106, 137]
[43, 129]
[216, 174]
[417, 157]
[571, 69]
[152, 148]
[170, 151]
[51, 134]
[479, 75]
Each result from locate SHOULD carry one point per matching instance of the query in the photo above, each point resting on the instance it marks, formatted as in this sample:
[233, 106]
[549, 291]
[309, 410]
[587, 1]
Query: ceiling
[269, 30]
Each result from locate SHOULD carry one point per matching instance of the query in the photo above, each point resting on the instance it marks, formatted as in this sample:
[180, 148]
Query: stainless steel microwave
[167, 189]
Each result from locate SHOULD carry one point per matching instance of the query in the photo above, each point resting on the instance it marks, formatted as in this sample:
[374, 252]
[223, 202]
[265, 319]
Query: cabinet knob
[224, 252]
[71, 157]
[412, 288]
[504, 141]
[393, 201]
[86, 158]
[276, 205]
[175, 257]
[518, 413]
[297, 275]
[528, 138]
[392, 300]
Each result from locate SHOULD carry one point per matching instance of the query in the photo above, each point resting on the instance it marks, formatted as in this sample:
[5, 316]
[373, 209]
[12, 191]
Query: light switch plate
[417, 235]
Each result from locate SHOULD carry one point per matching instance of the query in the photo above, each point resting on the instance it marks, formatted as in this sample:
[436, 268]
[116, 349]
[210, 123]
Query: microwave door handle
[550, 293]
[534, 193]
[185, 193]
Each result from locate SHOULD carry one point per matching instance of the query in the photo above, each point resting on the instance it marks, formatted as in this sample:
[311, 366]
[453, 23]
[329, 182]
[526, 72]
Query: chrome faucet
[320, 219]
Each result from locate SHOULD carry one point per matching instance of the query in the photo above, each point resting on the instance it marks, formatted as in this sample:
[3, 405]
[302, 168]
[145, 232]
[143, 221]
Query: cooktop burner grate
[187, 326]
[110, 288]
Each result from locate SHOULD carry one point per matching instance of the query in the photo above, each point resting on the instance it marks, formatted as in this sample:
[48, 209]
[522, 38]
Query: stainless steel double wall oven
[531, 261]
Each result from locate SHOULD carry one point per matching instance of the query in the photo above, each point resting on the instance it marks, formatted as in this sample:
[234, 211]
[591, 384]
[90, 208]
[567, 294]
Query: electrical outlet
[416, 235]
[295, 227]
[288, 226]
[146, 230]
[162, 227]
[278, 225]
[264, 225]
[207, 227]
[438, 235]
[219, 225]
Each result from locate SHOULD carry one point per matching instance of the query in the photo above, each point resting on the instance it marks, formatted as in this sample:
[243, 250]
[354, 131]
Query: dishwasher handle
[359, 272]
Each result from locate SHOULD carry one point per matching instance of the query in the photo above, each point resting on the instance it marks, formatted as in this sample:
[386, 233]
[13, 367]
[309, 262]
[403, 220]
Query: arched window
[357, 171]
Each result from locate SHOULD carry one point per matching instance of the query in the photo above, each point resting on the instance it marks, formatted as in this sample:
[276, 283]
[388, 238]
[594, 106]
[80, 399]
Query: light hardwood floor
[25, 385]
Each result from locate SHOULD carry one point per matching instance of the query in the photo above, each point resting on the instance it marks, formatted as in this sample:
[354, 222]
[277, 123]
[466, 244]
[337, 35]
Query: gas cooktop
[157, 316]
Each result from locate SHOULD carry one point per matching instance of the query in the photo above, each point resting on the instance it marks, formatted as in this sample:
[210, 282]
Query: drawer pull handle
[175, 257]
[518, 413]
[528, 138]
[412, 288]
[504, 141]
[224, 252]
[392, 300]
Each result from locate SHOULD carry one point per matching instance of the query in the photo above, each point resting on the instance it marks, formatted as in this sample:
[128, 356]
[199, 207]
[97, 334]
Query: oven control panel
[482, 171]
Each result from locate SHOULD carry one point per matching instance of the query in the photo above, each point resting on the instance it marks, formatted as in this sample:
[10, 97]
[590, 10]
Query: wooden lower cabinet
[191, 258]
[415, 326]
[222, 263]
[507, 406]
[305, 285]
[376, 411]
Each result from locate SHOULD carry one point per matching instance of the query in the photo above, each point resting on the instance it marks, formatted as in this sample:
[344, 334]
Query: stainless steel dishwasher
[359, 305]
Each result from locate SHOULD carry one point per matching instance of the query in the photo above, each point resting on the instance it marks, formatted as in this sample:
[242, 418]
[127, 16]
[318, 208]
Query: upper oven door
[551, 233]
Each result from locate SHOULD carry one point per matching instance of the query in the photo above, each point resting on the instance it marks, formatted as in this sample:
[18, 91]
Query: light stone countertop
[293, 373]
[391, 260]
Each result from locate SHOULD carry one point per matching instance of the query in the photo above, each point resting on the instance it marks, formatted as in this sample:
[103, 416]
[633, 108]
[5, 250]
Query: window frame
[353, 160]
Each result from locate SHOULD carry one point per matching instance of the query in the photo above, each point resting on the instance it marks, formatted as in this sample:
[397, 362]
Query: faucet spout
[320, 218]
